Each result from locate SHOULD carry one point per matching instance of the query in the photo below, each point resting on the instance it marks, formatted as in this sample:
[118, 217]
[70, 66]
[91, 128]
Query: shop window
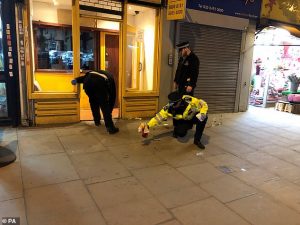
[1, 42]
[3, 101]
[87, 47]
[276, 56]
[53, 47]
[140, 53]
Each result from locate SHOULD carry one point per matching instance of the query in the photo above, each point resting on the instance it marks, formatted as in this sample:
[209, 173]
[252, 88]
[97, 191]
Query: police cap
[182, 45]
[174, 96]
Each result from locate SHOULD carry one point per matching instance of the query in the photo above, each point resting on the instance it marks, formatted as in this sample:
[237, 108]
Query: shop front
[9, 66]
[66, 36]
[220, 34]
[276, 57]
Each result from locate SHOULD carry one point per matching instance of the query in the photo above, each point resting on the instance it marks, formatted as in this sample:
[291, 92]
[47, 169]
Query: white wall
[47, 12]
[166, 71]
[246, 67]
[217, 20]
[110, 25]
[146, 21]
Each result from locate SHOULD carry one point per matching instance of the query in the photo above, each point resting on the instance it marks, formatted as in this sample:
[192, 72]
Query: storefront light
[292, 8]
[281, 32]
[272, 36]
[131, 46]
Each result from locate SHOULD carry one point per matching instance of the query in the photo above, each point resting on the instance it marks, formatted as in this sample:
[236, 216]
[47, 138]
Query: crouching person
[186, 111]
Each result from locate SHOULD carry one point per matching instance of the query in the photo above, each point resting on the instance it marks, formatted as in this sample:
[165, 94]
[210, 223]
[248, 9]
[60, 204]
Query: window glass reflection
[52, 45]
[3, 101]
[87, 46]
[1, 41]
[140, 53]
[54, 48]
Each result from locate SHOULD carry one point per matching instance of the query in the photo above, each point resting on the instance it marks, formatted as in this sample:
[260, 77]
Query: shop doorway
[106, 57]
[276, 57]
[110, 57]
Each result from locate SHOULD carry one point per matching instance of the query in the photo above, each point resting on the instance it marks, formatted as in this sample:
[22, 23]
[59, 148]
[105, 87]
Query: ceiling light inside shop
[292, 9]
[55, 2]
[132, 46]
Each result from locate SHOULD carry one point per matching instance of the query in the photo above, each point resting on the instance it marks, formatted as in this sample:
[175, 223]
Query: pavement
[78, 174]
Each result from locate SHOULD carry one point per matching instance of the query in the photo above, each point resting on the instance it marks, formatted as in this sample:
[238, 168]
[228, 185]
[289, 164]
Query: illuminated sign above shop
[284, 10]
[176, 9]
[238, 8]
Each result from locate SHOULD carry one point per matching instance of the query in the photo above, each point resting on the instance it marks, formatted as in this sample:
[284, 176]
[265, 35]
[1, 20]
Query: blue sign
[249, 9]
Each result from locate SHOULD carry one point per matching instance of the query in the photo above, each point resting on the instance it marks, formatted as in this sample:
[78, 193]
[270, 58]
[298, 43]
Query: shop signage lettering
[176, 9]
[238, 8]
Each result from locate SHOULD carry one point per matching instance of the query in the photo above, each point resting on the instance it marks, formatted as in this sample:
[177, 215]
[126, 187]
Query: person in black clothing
[101, 89]
[187, 70]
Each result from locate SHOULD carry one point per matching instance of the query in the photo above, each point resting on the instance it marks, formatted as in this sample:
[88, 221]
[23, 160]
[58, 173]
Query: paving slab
[261, 210]
[47, 169]
[61, 204]
[228, 188]
[11, 186]
[98, 166]
[207, 212]
[126, 201]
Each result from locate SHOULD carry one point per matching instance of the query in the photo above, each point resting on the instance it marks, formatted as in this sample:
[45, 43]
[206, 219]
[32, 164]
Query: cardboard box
[292, 108]
[281, 106]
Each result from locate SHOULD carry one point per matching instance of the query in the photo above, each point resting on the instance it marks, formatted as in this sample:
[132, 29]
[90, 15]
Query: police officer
[187, 70]
[186, 111]
[101, 89]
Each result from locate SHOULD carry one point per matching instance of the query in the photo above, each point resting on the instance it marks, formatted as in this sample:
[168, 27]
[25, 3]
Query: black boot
[112, 130]
[199, 144]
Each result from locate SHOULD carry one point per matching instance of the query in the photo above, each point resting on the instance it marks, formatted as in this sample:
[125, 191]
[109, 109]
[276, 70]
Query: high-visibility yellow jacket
[194, 106]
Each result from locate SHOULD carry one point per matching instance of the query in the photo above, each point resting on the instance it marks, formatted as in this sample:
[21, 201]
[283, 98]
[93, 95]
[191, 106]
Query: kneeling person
[186, 111]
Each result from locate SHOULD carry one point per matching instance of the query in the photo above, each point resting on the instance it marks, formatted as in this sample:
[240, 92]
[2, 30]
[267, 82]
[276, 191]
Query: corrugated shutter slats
[219, 52]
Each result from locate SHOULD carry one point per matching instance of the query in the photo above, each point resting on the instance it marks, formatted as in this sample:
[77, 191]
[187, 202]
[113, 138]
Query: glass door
[99, 50]
[110, 57]
[141, 53]
[10, 109]
[109, 48]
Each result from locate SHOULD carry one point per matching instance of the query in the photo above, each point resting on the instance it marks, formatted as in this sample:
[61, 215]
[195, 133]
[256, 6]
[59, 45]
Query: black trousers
[181, 127]
[96, 103]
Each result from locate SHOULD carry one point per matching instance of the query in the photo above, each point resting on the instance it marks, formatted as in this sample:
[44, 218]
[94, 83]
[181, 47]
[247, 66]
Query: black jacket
[187, 72]
[99, 84]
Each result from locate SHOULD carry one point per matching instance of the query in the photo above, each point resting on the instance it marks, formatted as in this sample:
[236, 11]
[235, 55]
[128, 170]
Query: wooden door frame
[102, 62]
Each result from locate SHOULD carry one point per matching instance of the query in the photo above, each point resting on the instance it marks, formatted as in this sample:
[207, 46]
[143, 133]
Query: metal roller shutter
[219, 52]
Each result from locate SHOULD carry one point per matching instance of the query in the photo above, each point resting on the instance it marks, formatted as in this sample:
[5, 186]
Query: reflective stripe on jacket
[194, 107]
